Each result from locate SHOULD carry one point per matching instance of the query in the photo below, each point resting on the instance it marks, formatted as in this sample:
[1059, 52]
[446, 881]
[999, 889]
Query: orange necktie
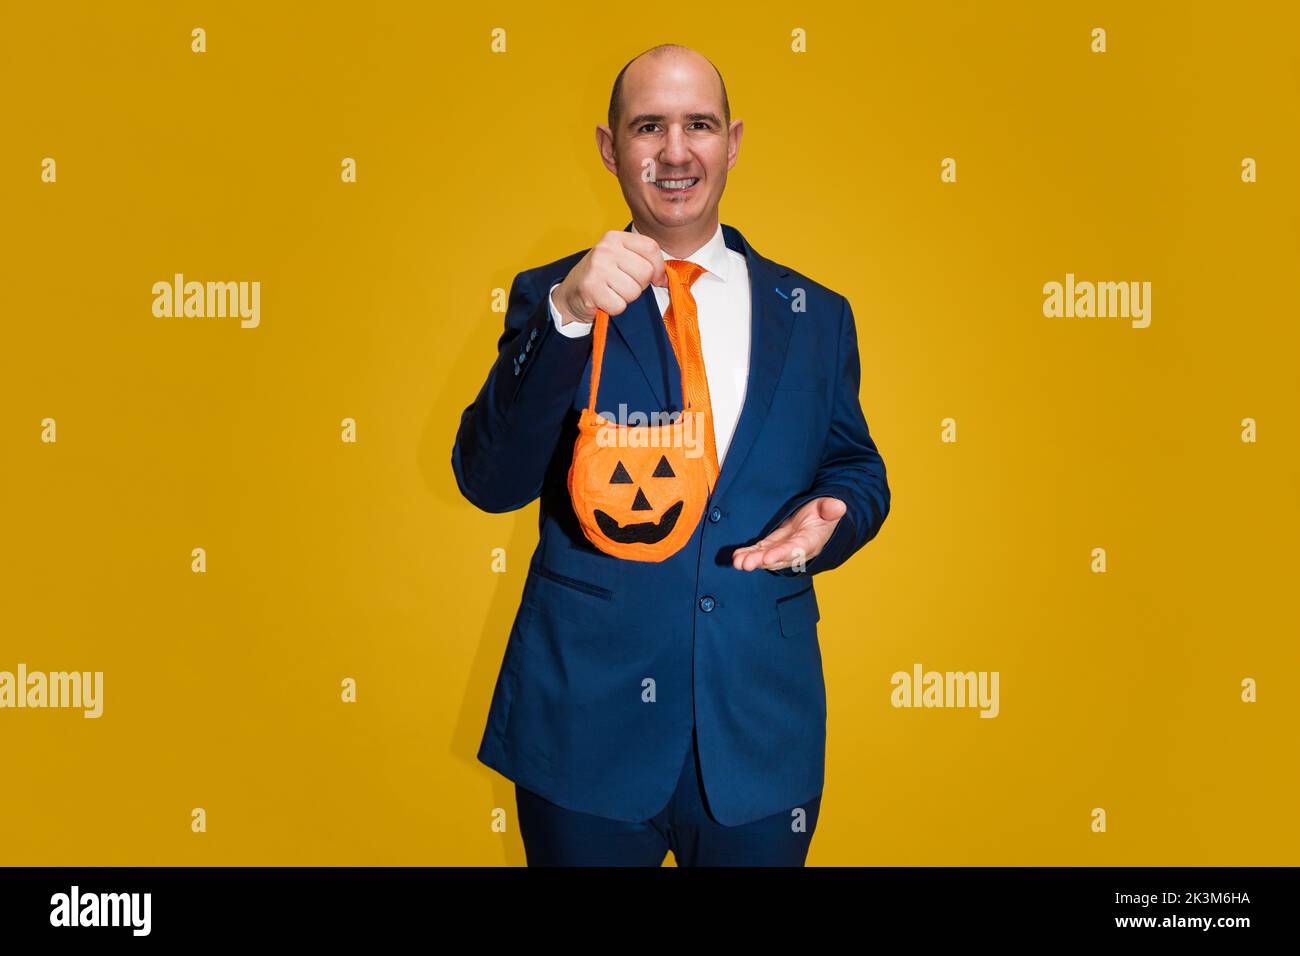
[682, 321]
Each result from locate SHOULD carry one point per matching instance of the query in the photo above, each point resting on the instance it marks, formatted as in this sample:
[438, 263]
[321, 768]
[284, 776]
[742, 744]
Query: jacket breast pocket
[798, 612]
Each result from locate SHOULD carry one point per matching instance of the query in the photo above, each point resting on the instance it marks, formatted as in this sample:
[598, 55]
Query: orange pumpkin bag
[638, 490]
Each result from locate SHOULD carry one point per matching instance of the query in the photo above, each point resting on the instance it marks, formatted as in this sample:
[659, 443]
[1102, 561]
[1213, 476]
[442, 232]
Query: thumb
[828, 509]
[660, 278]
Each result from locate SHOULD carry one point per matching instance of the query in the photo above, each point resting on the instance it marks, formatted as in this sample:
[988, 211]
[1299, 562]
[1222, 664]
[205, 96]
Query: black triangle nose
[640, 503]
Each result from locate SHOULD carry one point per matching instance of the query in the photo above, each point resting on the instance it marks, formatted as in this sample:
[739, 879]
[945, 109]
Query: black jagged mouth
[643, 532]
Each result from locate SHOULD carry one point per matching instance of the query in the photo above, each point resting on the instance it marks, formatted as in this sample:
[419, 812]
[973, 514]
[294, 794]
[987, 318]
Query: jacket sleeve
[508, 435]
[851, 468]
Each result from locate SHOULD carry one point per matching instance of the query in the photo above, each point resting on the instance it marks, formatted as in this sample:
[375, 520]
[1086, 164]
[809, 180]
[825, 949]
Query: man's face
[673, 147]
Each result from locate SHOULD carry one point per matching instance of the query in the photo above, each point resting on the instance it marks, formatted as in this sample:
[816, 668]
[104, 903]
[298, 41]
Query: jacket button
[516, 369]
[528, 346]
[706, 604]
[522, 358]
[715, 515]
[532, 334]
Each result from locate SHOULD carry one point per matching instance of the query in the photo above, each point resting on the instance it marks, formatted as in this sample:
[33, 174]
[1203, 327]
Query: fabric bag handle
[598, 332]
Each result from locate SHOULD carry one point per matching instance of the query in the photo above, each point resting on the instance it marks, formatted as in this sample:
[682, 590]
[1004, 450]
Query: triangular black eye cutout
[641, 503]
[621, 477]
[663, 469]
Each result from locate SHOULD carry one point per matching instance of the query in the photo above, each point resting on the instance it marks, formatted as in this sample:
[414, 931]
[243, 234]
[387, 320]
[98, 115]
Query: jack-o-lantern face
[647, 530]
[638, 494]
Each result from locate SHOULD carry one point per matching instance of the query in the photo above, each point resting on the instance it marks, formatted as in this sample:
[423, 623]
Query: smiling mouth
[676, 187]
[645, 532]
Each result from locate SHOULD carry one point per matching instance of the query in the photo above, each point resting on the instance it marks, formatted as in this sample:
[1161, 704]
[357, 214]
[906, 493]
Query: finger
[642, 245]
[779, 556]
[647, 271]
[624, 285]
[755, 559]
[756, 546]
[608, 300]
[639, 268]
[651, 253]
[659, 271]
[773, 539]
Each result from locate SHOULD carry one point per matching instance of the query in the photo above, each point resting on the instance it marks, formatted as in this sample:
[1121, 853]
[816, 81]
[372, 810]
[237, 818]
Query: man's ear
[733, 142]
[605, 144]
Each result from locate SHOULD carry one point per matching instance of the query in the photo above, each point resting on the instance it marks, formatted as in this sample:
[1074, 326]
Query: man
[644, 706]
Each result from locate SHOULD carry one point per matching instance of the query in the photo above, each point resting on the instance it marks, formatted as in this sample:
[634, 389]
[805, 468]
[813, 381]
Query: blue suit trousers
[555, 836]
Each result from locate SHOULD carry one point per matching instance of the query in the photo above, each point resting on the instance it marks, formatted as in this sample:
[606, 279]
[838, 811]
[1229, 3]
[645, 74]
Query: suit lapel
[641, 327]
[770, 324]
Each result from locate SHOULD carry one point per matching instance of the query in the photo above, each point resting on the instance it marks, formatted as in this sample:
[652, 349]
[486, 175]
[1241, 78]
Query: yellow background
[327, 560]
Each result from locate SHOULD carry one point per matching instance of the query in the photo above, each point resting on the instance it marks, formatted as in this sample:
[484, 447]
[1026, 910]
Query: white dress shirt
[722, 304]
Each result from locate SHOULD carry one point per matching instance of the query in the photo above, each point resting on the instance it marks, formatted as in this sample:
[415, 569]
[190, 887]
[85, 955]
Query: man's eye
[646, 126]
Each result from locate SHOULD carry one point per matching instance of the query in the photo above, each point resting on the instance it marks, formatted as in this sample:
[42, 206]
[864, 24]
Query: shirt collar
[712, 255]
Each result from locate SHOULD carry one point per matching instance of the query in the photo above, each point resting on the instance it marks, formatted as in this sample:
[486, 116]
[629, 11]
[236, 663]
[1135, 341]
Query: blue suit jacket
[609, 662]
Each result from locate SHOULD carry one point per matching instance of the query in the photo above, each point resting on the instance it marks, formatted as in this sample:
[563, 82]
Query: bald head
[669, 146]
[656, 53]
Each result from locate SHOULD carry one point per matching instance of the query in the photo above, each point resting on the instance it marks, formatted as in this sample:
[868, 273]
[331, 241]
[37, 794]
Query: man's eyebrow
[660, 117]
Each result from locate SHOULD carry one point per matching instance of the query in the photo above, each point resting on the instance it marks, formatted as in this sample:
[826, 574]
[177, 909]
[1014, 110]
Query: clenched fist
[612, 275]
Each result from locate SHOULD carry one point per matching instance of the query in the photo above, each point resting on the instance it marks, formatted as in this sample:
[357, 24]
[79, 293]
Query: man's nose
[675, 151]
